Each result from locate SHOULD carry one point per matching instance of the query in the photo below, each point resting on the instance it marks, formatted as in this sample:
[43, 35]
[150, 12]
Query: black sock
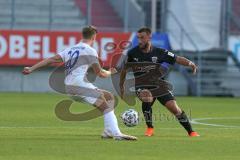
[184, 121]
[147, 113]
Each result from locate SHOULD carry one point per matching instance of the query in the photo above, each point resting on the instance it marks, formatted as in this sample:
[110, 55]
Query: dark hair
[145, 29]
[88, 32]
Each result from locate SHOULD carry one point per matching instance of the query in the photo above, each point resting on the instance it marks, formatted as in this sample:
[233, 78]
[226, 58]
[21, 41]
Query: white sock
[111, 123]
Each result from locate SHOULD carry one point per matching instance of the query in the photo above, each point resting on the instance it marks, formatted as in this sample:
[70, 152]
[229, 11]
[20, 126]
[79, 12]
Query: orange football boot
[193, 134]
[149, 132]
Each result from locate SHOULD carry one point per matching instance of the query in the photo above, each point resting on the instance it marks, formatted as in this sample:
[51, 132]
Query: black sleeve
[168, 57]
[129, 57]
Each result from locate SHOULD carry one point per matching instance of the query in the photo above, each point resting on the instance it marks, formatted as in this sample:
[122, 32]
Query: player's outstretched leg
[111, 130]
[181, 116]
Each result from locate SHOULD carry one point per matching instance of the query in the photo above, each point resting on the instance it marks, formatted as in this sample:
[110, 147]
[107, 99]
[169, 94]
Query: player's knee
[110, 99]
[100, 100]
[103, 104]
[108, 96]
[145, 95]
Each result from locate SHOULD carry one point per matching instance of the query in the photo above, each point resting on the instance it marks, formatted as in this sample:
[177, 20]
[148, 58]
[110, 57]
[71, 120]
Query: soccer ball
[130, 118]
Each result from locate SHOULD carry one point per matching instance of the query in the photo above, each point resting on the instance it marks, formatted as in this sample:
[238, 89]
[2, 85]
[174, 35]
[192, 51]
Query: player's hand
[27, 70]
[194, 67]
[113, 70]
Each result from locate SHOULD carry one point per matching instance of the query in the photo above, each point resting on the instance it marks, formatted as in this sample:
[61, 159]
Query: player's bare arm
[186, 62]
[55, 59]
[99, 71]
[122, 80]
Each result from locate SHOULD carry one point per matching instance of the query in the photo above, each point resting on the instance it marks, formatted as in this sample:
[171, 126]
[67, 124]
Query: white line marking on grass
[75, 127]
[79, 128]
[196, 121]
[193, 121]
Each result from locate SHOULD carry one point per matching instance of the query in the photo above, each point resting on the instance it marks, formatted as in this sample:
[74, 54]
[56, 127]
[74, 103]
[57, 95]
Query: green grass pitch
[29, 130]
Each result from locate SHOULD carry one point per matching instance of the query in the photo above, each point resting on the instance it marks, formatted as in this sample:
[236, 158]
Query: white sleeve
[94, 53]
[93, 56]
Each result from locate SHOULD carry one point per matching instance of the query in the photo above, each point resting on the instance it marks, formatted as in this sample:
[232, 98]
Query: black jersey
[156, 55]
[145, 62]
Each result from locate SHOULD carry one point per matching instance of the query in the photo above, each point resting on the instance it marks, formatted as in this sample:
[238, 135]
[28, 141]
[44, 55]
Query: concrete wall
[180, 86]
[12, 80]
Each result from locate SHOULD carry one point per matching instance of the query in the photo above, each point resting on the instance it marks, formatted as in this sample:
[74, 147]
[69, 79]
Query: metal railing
[50, 14]
[130, 12]
[231, 17]
[13, 13]
[195, 87]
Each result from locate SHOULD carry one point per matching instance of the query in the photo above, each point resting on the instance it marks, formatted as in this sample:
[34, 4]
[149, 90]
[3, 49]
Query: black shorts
[163, 99]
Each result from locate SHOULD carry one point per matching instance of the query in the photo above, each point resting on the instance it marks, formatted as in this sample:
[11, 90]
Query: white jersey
[77, 60]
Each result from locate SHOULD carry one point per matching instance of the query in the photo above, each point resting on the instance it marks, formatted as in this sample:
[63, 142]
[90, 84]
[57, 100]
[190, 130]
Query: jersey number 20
[72, 60]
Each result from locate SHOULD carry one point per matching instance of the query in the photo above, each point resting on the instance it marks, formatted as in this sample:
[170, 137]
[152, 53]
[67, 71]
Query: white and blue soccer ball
[130, 118]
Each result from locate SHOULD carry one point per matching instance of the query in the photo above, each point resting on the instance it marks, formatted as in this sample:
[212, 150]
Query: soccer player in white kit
[77, 60]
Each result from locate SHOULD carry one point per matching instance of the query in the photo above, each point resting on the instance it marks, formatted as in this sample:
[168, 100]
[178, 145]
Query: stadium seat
[36, 14]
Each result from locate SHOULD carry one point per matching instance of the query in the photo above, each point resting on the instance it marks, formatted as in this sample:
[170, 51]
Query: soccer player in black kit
[146, 53]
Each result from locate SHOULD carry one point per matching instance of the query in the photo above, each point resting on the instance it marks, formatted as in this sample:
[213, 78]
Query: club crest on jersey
[135, 59]
[154, 59]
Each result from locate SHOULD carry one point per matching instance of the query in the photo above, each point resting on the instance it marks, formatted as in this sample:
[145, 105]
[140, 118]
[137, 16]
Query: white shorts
[86, 92]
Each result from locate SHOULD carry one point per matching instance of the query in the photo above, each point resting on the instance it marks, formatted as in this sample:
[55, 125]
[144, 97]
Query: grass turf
[30, 130]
